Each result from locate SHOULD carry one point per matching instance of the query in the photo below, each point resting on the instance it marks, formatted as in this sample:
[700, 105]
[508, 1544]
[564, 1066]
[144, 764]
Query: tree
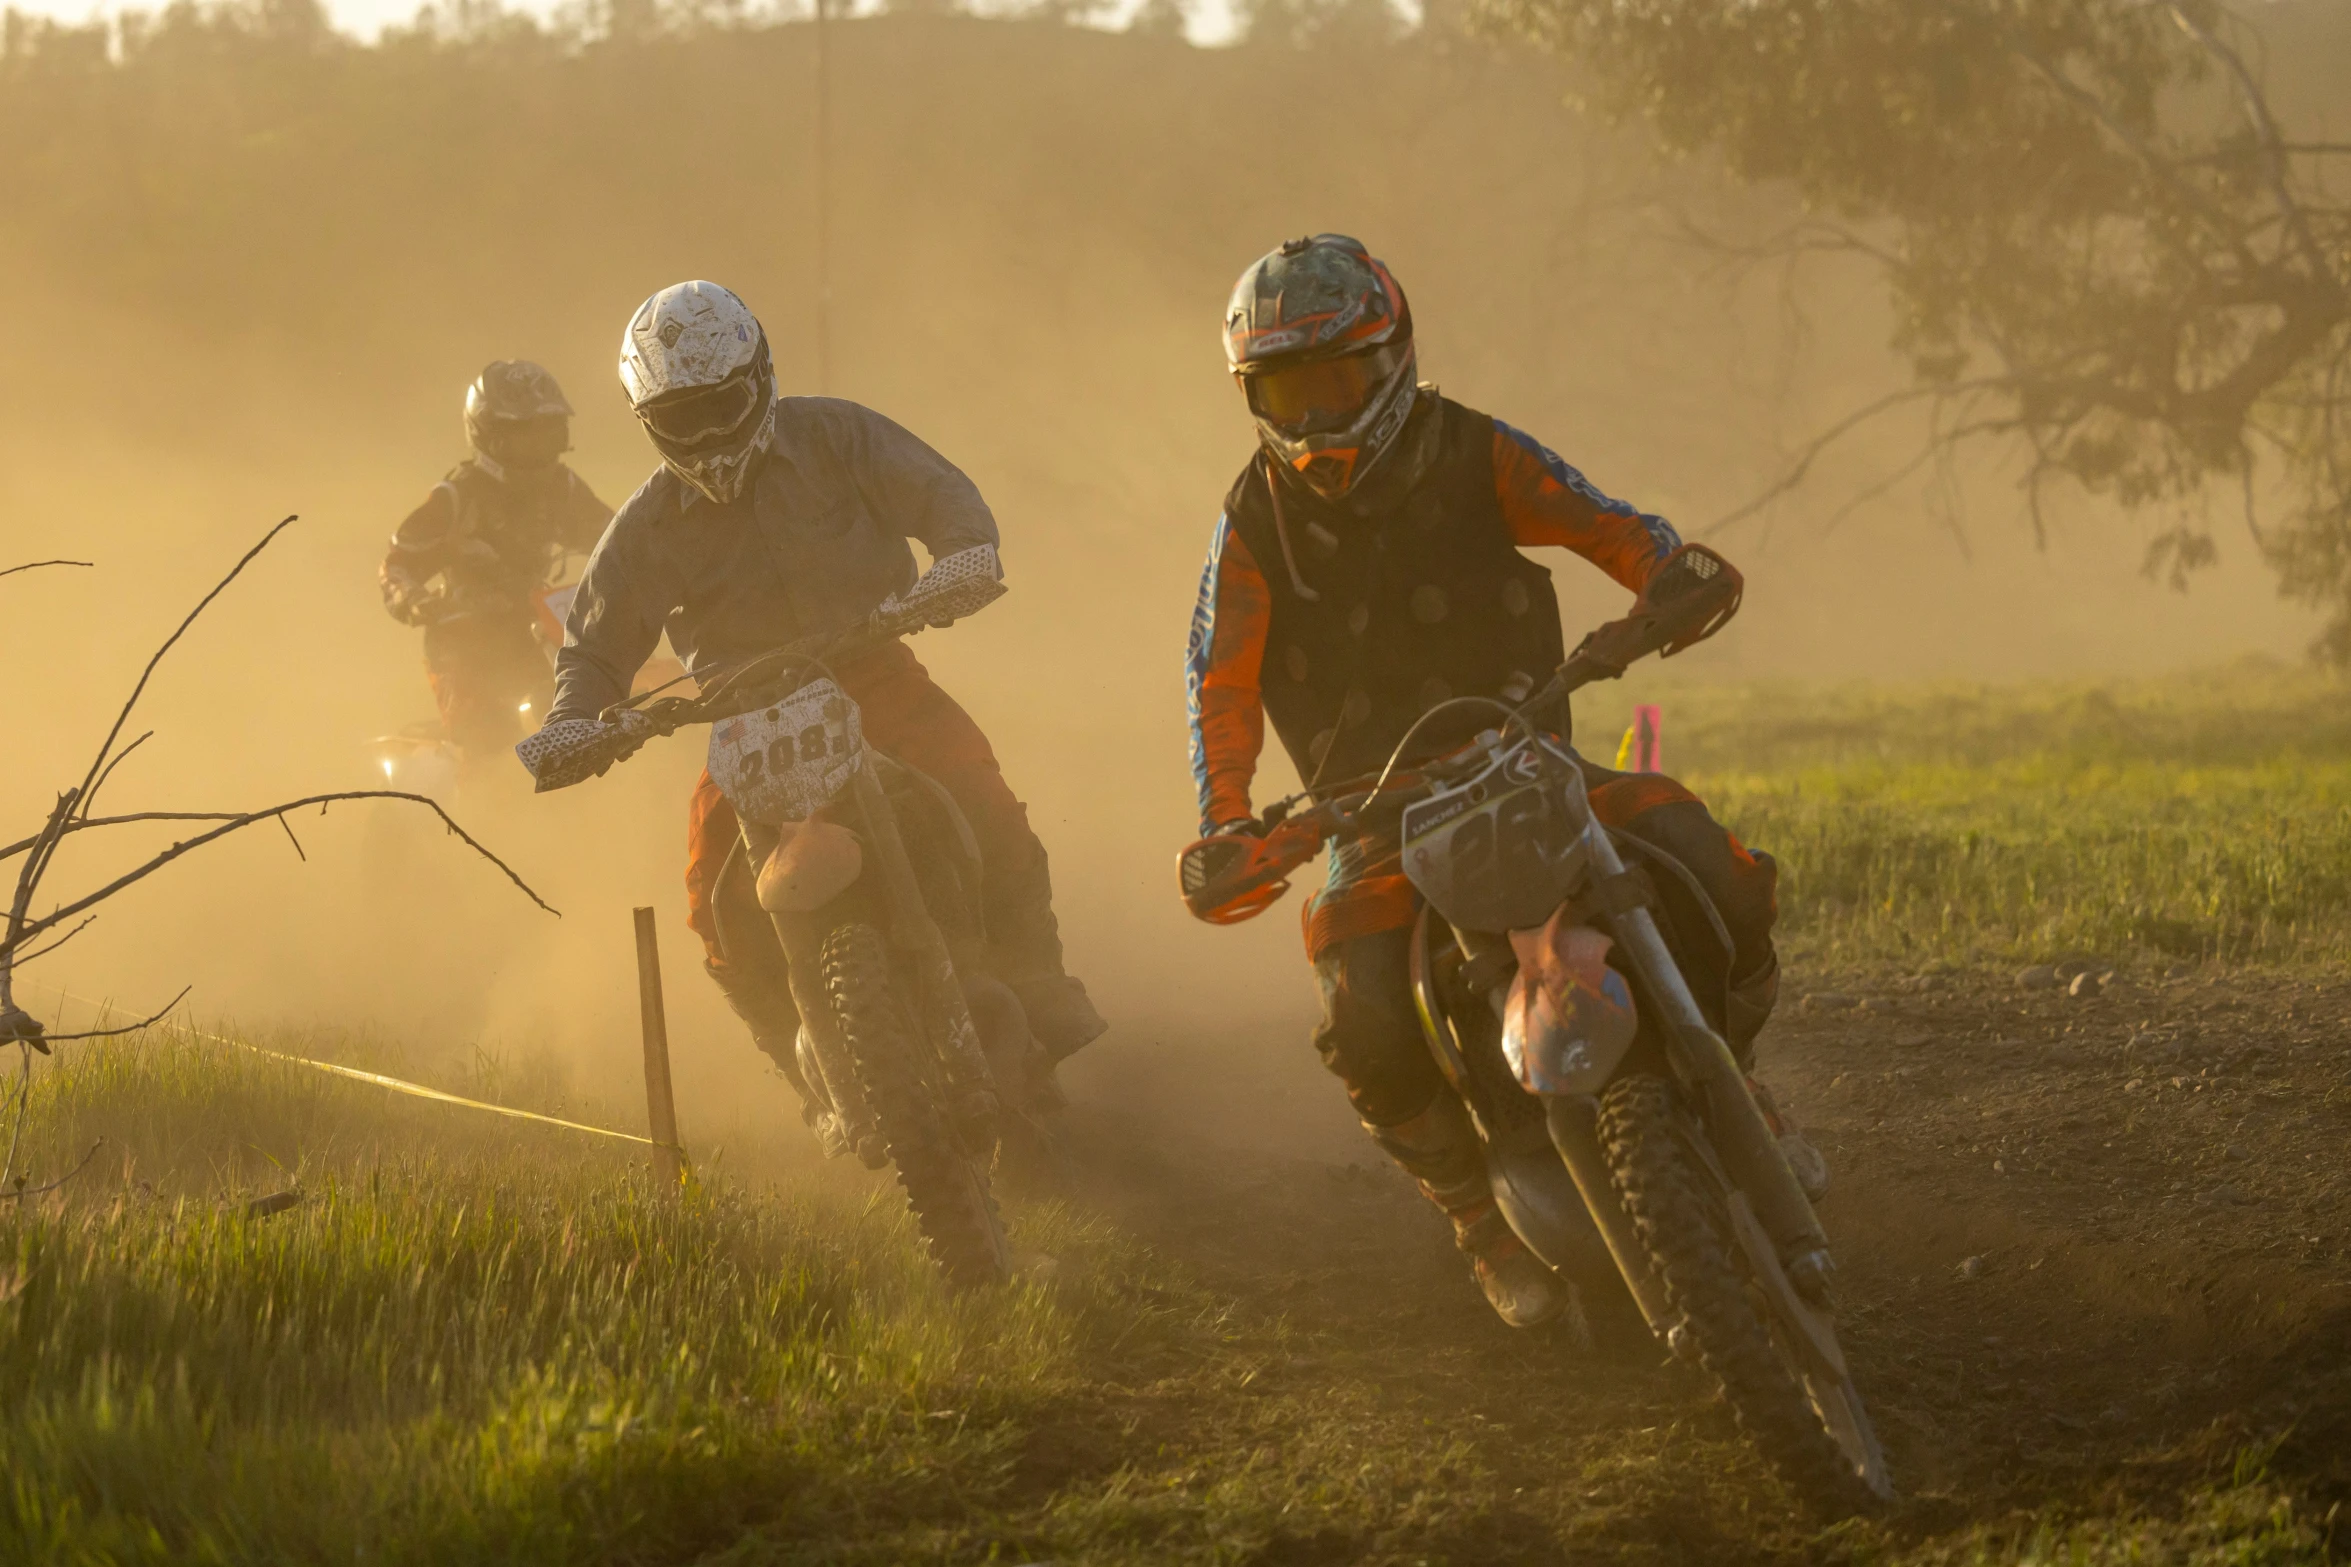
[1310, 24]
[1161, 19]
[2100, 241]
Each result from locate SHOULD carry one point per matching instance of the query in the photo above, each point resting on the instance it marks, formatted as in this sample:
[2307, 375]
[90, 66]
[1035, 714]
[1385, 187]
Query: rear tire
[947, 1189]
[1684, 1232]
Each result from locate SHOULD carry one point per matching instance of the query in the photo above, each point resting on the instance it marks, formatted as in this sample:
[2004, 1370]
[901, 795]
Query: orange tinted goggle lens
[1326, 394]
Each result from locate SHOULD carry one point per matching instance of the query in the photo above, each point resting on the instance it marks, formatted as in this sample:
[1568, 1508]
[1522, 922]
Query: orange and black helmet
[1319, 337]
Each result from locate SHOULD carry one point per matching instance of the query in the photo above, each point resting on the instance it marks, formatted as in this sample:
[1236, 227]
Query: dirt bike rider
[1366, 568]
[493, 532]
[774, 518]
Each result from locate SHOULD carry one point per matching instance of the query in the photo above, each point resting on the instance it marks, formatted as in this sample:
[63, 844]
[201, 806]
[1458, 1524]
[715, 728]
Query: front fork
[946, 1015]
[889, 884]
[823, 1055]
[1572, 1122]
[1741, 1137]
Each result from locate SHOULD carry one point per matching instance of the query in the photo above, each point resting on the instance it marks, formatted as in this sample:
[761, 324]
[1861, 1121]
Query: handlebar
[755, 683]
[956, 586]
[1234, 876]
[574, 750]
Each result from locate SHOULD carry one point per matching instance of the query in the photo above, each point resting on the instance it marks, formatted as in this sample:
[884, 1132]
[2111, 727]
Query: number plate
[785, 763]
[1504, 848]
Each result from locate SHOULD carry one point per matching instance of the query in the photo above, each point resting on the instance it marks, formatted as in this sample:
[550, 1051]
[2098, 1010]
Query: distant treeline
[1051, 211]
[31, 44]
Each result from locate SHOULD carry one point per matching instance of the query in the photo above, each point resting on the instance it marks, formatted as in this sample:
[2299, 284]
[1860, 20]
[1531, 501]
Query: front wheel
[1778, 1366]
[947, 1189]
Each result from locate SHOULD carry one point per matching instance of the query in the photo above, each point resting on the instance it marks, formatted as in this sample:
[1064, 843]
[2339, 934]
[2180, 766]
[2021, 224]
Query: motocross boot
[1812, 1169]
[1439, 1148]
[1751, 1001]
[1749, 1007]
[1025, 953]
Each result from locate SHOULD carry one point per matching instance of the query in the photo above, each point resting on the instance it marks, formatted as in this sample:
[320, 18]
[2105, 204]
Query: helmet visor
[1327, 394]
[696, 414]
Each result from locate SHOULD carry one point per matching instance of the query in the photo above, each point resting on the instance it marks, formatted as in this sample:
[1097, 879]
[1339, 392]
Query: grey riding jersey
[813, 543]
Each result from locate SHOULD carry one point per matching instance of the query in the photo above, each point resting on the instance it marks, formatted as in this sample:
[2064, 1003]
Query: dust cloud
[256, 283]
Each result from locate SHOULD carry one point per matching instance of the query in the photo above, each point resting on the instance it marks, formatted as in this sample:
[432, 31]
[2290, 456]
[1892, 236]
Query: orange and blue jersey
[1543, 501]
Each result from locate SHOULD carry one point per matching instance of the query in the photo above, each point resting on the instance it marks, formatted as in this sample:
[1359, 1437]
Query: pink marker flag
[1648, 739]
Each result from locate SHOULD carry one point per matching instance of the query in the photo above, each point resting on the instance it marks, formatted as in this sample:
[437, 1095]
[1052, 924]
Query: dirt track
[2091, 1247]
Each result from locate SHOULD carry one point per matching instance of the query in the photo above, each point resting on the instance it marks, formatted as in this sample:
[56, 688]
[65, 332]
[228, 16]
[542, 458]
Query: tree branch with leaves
[2101, 242]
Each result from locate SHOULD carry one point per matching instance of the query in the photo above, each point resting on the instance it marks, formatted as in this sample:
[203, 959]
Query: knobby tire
[947, 1190]
[1675, 1215]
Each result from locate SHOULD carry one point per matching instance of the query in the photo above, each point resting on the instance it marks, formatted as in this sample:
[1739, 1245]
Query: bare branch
[1811, 235]
[2162, 168]
[47, 1040]
[2297, 149]
[27, 877]
[37, 864]
[1796, 472]
[83, 824]
[82, 807]
[1937, 445]
[98, 763]
[31, 928]
[2252, 511]
[36, 565]
[2258, 116]
[22, 958]
[42, 1191]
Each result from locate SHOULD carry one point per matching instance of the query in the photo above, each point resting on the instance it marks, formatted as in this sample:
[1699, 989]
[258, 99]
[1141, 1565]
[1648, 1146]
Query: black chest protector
[521, 524]
[1423, 600]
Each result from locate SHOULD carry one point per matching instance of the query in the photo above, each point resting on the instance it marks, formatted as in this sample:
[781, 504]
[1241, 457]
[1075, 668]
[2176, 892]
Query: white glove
[957, 585]
[574, 750]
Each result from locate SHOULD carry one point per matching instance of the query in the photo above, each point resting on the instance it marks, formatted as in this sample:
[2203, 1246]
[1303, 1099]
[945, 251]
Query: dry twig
[71, 814]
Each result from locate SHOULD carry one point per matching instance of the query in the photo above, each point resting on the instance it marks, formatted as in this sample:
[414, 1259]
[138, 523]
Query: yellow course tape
[413, 1090]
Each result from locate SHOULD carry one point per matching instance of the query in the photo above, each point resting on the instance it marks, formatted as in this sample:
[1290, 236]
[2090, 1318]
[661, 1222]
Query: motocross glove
[574, 750]
[401, 592]
[1693, 594]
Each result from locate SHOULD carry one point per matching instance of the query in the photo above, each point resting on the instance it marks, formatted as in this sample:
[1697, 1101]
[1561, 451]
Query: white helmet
[694, 362]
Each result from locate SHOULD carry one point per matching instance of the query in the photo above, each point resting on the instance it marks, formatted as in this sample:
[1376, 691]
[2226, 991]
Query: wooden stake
[660, 1108]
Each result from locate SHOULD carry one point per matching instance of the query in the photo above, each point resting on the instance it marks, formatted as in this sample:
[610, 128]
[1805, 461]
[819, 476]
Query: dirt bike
[870, 876]
[1621, 1136]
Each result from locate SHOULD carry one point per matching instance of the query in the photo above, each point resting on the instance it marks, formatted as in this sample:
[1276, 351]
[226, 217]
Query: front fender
[1570, 1017]
[813, 863]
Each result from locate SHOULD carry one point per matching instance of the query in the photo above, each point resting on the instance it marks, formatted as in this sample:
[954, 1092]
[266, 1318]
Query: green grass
[2191, 818]
[477, 1343]
[2245, 1520]
[470, 1343]
[448, 1353]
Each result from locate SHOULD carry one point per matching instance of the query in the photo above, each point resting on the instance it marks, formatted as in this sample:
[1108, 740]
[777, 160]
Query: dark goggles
[705, 413]
[1324, 395]
[527, 443]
